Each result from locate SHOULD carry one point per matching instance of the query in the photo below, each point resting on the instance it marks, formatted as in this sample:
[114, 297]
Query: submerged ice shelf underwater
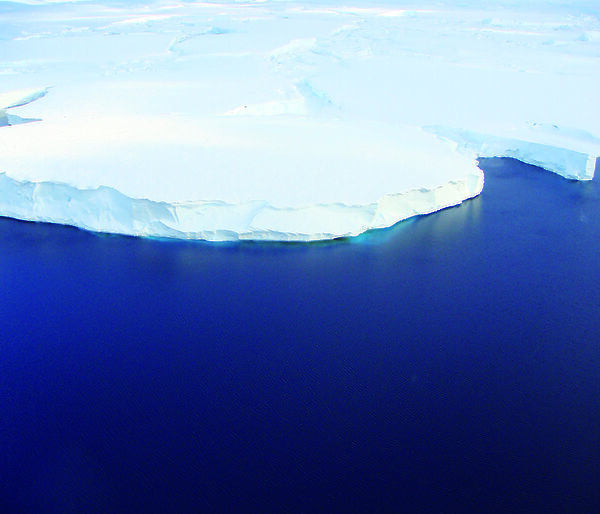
[254, 121]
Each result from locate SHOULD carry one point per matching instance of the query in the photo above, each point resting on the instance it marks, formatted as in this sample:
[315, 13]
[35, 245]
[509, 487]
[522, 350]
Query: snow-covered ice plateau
[280, 119]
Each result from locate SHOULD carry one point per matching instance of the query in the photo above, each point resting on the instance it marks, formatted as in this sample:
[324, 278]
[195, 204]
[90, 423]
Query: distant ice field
[284, 120]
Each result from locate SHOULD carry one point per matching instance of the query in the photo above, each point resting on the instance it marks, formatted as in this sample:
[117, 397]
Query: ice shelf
[284, 120]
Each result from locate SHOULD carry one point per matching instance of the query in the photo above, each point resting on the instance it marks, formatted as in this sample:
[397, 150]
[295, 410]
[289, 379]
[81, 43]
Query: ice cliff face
[571, 154]
[274, 179]
[106, 210]
[284, 120]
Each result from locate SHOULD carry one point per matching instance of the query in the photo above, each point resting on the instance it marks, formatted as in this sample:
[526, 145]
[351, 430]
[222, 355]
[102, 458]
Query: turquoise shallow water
[447, 364]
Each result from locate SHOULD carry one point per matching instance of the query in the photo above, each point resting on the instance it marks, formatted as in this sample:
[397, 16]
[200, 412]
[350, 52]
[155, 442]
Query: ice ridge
[18, 98]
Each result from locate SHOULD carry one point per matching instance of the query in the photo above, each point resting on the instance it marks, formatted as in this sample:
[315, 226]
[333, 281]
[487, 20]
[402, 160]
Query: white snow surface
[284, 120]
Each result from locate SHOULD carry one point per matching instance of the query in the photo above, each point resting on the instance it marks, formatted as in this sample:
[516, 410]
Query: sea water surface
[449, 364]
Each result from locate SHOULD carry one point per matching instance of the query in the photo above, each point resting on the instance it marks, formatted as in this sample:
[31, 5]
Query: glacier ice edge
[106, 210]
[572, 164]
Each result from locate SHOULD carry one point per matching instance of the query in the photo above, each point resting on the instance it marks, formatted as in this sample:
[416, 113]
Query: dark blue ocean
[448, 364]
